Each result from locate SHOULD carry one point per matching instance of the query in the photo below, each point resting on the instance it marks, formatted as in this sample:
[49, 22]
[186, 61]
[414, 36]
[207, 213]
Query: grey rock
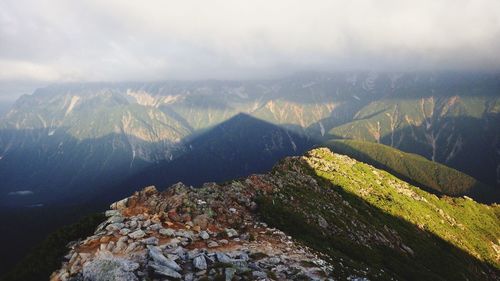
[231, 232]
[155, 227]
[212, 244]
[184, 233]
[229, 273]
[165, 271]
[132, 246]
[115, 219]
[221, 257]
[200, 263]
[124, 231]
[167, 232]
[115, 226]
[156, 254]
[189, 277]
[204, 235]
[110, 213]
[322, 222]
[110, 269]
[259, 275]
[137, 234]
[150, 241]
[132, 224]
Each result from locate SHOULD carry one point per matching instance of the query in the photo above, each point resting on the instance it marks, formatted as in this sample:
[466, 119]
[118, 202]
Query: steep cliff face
[347, 220]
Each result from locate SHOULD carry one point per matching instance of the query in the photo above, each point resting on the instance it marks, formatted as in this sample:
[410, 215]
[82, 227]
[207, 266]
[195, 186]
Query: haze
[44, 42]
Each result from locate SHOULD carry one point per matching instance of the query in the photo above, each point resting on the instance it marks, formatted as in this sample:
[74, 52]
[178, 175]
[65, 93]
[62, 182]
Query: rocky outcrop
[211, 233]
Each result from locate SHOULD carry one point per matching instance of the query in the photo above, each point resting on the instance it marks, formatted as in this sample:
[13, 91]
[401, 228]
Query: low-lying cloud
[59, 40]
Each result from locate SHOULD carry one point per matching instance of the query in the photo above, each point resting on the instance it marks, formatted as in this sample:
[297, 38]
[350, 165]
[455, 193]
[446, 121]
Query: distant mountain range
[64, 142]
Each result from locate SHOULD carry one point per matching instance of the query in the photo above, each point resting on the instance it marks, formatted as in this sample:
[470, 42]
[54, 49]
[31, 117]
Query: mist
[58, 41]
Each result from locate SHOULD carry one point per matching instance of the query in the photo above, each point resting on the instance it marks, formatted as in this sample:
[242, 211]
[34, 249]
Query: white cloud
[149, 40]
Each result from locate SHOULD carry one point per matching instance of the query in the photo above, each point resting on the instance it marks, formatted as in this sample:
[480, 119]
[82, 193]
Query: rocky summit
[210, 233]
[321, 216]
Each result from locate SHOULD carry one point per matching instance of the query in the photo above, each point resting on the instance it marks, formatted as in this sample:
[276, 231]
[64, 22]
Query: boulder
[200, 263]
[137, 234]
[110, 269]
[156, 254]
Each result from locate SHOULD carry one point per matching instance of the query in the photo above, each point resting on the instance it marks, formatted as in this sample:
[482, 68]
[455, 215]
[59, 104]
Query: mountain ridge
[345, 210]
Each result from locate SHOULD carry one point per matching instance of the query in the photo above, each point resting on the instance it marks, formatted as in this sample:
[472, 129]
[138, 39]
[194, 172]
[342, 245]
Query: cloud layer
[117, 40]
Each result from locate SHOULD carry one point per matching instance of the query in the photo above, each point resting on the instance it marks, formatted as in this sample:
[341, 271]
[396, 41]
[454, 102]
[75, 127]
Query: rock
[204, 235]
[119, 205]
[322, 222]
[150, 241]
[110, 246]
[229, 273]
[212, 244]
[137, 234]
[184, 233]
[221, 257]
[165, 271]
[111, 213]
[121, 244]
[156, 254]
[231, 232]
[150, 190]
[115, 226]
[155, 227]
[257, 275]
[124, 231]
[223, 241]
[193, 253]
[131, 247]
[110, 269]
[232, 210]
[167, 232]
[115, 219]
[200, 263]
[132, 224]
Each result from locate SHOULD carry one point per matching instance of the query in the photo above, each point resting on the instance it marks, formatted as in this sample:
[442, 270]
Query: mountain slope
[235, 148]
[462, 132]
[432, 176]
[357, 221]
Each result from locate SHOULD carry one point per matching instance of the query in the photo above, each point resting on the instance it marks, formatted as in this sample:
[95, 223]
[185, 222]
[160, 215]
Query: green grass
[449, 238]
[414, 168]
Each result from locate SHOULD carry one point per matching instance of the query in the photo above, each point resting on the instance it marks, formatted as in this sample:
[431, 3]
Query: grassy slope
[448, 238]
[432, 176]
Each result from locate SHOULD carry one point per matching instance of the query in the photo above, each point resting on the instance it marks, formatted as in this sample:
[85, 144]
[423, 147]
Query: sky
[43, 42]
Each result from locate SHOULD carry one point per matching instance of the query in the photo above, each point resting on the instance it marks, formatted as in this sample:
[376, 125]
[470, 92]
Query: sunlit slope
[432, 176]
[363, 216]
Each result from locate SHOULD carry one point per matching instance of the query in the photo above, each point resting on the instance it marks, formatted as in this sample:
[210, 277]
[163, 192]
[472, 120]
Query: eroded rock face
[190, 234]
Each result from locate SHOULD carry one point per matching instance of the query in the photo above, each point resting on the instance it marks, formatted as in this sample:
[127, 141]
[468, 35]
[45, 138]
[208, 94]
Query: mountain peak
[344, 218]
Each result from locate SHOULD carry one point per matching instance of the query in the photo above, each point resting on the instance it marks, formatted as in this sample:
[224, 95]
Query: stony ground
[211, 233]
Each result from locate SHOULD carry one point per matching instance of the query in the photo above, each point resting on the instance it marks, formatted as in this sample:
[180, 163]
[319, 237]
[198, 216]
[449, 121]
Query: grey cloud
[50, 41]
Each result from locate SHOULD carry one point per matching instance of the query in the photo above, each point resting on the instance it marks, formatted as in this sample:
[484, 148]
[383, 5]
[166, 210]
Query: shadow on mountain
[429, 258]
[235, 148]
[39, 170]
[91, 173]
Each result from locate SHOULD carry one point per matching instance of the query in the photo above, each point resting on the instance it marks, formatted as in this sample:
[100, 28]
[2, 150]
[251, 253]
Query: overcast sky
[45, 41]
